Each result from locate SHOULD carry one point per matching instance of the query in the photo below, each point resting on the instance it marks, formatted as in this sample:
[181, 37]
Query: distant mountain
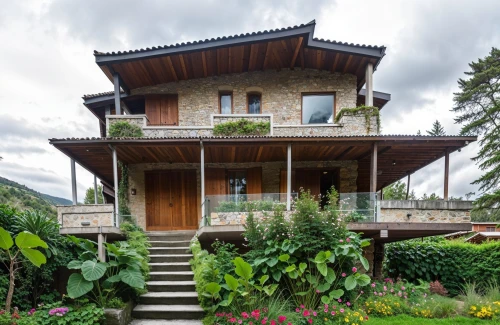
[23, 197]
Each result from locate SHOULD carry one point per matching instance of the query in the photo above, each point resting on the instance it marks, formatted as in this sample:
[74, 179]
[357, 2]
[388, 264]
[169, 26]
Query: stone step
[172, 243]
[169, 258]
[171, 276]
[167, 312]
[171, 235]
[170, 267]
[165, 322]
[169, 298]
[171, 286]
[168, 250]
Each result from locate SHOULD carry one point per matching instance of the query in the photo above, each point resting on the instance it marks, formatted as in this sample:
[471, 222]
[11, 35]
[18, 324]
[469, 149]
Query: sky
[47, 64]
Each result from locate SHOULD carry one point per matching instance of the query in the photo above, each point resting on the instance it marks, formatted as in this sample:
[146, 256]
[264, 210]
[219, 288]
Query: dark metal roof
[106, 93]
[376, 94]
[370, 50]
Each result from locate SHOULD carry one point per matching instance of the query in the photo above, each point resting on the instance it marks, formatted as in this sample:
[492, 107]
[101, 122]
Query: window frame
[225, 93]
[234, 170]
[252, 93]
[494, 229]
[326, 93]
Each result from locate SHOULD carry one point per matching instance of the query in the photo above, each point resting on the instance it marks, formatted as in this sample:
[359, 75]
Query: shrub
[138, 241]
[437, 288]
[242, 127]
[203, 266]
[452, 263]
[123, 129]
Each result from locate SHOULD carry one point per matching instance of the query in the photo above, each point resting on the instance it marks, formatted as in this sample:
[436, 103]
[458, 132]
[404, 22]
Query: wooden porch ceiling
[397, 156]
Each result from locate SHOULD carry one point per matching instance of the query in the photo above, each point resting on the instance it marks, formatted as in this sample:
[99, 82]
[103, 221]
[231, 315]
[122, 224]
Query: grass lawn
[407, 320]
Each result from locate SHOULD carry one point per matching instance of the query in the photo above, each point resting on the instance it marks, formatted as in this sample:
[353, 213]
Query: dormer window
[318, 108]
[254, 103]
[226, 102]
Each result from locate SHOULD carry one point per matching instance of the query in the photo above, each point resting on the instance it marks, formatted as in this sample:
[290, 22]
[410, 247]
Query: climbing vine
[123, 208]
[367, 111]
[242, 127]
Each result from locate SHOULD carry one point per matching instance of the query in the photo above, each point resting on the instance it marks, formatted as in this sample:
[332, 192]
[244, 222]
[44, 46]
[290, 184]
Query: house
[483, 236]
[485, 227]
[299, 93]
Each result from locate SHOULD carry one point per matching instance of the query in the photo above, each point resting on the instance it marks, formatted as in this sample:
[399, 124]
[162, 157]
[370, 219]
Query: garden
[307, 268]
[38, 264]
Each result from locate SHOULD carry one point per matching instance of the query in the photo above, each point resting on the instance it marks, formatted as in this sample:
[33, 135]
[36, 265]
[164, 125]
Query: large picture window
[254, 103]
[237, 180]
[318, 108]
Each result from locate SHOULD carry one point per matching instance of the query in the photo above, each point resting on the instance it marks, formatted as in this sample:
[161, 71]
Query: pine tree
[89, 196]
[477, 106]
[437, 129]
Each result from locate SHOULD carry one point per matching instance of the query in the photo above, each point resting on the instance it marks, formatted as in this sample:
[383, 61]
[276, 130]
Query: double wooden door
[171, 200]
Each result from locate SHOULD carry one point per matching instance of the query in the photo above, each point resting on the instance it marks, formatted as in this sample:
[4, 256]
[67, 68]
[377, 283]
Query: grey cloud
[21, 149]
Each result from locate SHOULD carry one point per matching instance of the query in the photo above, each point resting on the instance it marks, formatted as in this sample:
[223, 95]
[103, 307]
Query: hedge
[452, 263]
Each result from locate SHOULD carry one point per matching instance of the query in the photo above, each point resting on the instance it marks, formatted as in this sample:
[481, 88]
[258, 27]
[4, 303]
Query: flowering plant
[60, 311]
[257, 316]
[486, 311]
[336, 313]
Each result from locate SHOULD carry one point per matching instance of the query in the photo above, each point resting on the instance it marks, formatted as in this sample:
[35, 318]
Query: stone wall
[425, 211]
[281, 93]
[96, 214]
[270, 178]
[239, 218]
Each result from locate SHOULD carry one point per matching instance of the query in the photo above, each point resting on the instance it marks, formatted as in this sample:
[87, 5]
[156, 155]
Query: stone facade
[270, 178]
[95, 214]
[425, 211]
[238, 218]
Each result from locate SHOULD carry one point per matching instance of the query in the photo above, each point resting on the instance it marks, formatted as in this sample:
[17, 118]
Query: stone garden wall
[425, 211]
[96, 214]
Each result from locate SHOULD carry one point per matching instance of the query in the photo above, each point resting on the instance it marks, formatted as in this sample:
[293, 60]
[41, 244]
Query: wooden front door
[171, 200]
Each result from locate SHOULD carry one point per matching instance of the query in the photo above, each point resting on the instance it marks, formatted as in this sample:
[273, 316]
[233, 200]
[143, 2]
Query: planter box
[118, 316]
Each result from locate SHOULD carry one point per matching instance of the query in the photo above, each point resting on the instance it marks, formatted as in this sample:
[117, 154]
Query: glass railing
[359, 207]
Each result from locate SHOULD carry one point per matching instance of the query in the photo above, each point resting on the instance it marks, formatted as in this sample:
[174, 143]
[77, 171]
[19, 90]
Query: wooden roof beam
[171, 67]
[183, 66]
[204, 62]
[335, 62]
[296, 52]
[268, 55]
[346, 67]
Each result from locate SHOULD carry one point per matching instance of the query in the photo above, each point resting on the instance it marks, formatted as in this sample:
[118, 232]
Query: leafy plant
[100, 280]
[25, 245]
[123, 129]
[248, 206]
[242, 127]
[367, 111]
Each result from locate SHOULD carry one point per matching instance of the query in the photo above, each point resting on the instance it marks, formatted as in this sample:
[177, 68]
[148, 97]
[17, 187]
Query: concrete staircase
[171, 297]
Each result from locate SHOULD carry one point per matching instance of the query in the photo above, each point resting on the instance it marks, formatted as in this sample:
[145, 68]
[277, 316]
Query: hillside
[22, 197]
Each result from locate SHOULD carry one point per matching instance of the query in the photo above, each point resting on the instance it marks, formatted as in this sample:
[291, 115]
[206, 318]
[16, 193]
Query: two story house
[313, 123]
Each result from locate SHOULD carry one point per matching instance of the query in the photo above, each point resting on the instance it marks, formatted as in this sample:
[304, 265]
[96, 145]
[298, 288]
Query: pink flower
[315, 313]
[403, 288]
[362, 292]
[339, 300]
[333, 313]
[373, 285]
[385, 288]
[244, 315]
[281, 319]
[317, 291]
[375, 293]
[341, 310]
[232, 320]
[354, 269]
[344, 275]
[348, 240]
[297, 310]
[306, 313]
[348, 304]
[302, 307]
[240, 321]
[325, 310]
[273, 322]
[310, 320]
[380, 294]
[264, 321]
[341, 241]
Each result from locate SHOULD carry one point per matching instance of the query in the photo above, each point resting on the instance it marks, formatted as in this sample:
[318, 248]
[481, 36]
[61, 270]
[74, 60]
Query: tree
[477, 106]
[89, 196]
[432, 197]
[419, 133]
[397, 191]
[437, 129]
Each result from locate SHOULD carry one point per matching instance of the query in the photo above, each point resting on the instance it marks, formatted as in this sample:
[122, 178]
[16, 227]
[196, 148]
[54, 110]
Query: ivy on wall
[367, 111]
[123, 208]
[242, 127]
[123, 129]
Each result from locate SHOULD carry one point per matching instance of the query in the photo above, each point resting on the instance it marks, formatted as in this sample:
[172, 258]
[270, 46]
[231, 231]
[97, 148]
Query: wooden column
[373, 169]
[408, 187]
[289, 177]
[73, 182]
[369, 84]
[116, 81]
[446, 172]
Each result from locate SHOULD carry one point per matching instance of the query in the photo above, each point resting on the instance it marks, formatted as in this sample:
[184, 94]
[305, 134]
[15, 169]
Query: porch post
[115, 182]
[408, 187]
[101, 251]
[73, 182]
[369, 84]
[96, 201]
[373, 169]
[446, 173]
[289, 177]
[202, 175]
[116, 81]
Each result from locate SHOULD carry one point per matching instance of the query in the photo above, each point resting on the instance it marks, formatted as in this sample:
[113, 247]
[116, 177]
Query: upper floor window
[491, 229]
[254, 103]
[226, 102]
[318, 108]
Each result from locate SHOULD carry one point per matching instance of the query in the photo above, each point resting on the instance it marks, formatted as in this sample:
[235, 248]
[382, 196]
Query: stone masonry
[425, 211]
[74, 215]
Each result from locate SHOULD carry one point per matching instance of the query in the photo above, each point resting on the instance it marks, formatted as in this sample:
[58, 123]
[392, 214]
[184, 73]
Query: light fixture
[324, 173]
[394, 162]
[133, 191]
[86, 223]
[384, 233]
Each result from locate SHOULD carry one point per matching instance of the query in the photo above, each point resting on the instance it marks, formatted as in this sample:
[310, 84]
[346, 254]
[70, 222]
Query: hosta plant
[25, 244]
[102, 281]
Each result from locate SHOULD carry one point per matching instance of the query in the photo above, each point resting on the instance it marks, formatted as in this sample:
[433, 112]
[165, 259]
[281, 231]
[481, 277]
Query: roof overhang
[379, 98]
[276, 49]
[398, 156]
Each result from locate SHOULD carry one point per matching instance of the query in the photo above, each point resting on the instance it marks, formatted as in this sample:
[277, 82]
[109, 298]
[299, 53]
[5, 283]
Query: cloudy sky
[46, 65]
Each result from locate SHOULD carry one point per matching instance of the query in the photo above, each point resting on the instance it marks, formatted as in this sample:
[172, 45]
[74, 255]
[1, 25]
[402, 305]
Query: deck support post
[369, 84]
[289, 177]
[446, 173]
[202, 175]
[96, 200]
[373, 168]
[408, 187]
[116, 82]
[115, 183]
[101, 251]
[73, 182]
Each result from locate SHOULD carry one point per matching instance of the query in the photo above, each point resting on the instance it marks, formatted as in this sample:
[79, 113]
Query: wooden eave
[398, 156]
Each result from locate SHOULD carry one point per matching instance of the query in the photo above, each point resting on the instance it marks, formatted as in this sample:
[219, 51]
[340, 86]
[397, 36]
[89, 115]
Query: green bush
[203, 266]
[242, 127]
[123, 129]
[452, 263]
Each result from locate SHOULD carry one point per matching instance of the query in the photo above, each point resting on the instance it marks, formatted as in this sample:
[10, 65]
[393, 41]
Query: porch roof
[398, 155]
